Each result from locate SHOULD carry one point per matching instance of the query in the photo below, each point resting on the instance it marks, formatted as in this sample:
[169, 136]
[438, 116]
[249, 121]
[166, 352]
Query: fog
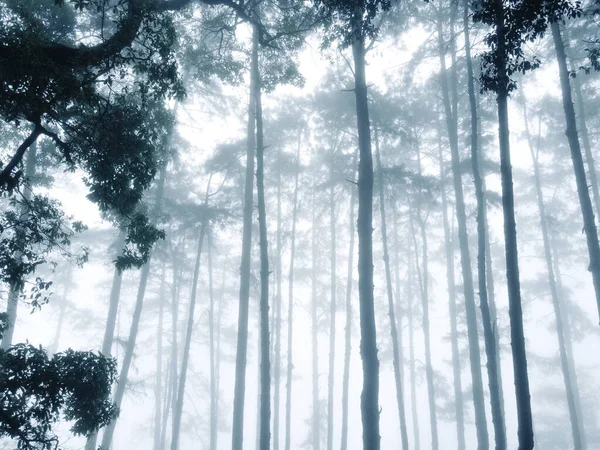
[286, 225]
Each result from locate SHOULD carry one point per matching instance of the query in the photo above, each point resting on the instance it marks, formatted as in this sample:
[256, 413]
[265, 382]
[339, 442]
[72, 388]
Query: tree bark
[558, 315]
[332, 304]
[348, 329]
[178, 410]
[265, 379]
[277, 362]
[158, 418]
[368, 332]
[450, 280]
[237, 435]
[490, 328]
[465, 256]
[589, 224]
[16, 288]
[411, 351]
[290, 362]
[521, 377]
[316, 413]
[211, 337]
[391, 310]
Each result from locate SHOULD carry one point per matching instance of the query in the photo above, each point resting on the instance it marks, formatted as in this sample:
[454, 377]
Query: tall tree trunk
[111, 320]
[166, 407]
[135, 323]
[290, 363]
[465, 256]
[589, 224]
[423, 277]
[265, 379]
[490, 328]
[569, 347]
[560, 328]
[175, 300]
[348, 329]
[391, 311]
[16, 288]
[368, 331]
[332, 304]
[218, 356]
[277, 363]
[237, 435]
[450, 280]
[158, 418]
[178, 410]
[583, 131]
[411, 351]
[211, 332]
[316, 414]
[63, 309]
[521, 377]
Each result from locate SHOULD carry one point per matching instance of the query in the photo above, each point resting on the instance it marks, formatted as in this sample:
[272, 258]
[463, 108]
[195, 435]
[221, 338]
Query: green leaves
[36, 392]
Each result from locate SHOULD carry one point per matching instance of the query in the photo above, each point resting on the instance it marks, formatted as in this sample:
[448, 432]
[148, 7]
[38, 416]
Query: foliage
[37, 391]
[524, 21]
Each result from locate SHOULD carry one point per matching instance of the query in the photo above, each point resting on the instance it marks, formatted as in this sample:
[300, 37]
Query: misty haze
[299, 224]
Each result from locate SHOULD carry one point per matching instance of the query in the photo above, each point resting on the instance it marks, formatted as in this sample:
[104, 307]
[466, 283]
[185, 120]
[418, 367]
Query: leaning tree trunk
[185, 357]
[16, 288]
[332, 305]
[368, 332]
[290, 363]
[265, 378]
[465, 256]
[489, 323]
[237, 434]
[521, 377]
[450, 280]
[348, 330]
[560, 328]
[589, 224]
[391, 311]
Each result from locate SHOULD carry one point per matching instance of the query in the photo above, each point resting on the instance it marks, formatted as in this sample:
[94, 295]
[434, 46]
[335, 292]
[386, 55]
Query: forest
[299, 224]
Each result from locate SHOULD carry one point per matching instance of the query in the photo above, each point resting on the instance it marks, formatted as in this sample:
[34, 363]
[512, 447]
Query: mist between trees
[279, 225]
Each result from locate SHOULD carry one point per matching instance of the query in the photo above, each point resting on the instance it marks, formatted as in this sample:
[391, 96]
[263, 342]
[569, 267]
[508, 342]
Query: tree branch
[6, 177]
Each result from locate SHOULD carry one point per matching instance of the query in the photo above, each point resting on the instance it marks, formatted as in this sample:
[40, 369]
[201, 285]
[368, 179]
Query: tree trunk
[316, 414]
[585, 202]
[332, 304]
[237, 435]
[277, 362]
[16, 288]
[348, 330]
[465, 256]
[211, 336]
[290, 363]
[166, 407]
[368, 332]
[521, 377]
[109, 330]
[450, 280]
[391, 311]
[564, 364]
[63, 309]
[265, 379]
[411, 350]
[178, 410]
[490, 328]
[159, 365]
[583, 131]
[133, 331]
[423, 277]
